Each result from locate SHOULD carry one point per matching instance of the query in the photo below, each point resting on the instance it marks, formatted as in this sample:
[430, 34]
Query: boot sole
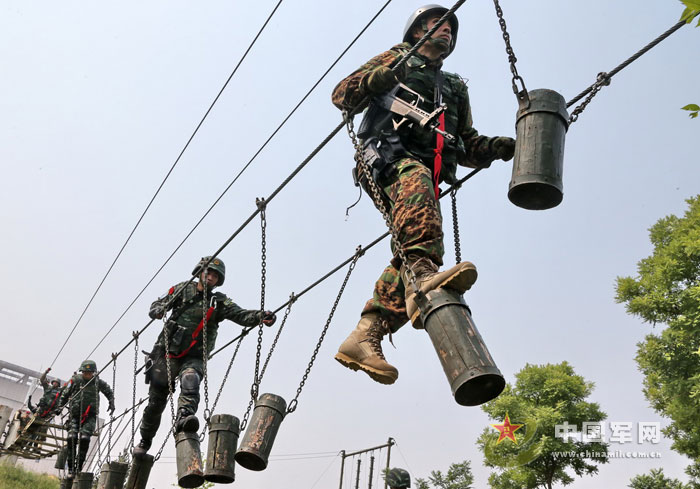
[460, 282]
[376, 375]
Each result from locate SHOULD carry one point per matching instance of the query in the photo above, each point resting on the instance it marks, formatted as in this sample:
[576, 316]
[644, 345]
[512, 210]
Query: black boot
[142, 448]
[186, 422]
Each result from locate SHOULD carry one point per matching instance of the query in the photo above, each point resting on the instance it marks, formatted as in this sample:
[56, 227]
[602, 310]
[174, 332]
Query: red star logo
[507, 430]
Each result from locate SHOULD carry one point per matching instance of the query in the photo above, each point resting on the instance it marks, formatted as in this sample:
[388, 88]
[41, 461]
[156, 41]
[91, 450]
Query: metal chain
[170, 375]
[254, 389]
[205, 354]
[294, 402]
[170, 431]
[455, 225]
[602, 80]
[133, 390]
[376, 197]
[292, 300]
[521, 93]
[111, 414]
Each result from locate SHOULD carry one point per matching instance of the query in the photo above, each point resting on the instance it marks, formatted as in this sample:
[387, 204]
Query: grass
[18, 478]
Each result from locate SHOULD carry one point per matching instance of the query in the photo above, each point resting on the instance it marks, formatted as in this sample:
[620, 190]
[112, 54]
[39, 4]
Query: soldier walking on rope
[49, 400]
[414, 160]
[82, 394]
[196, 314]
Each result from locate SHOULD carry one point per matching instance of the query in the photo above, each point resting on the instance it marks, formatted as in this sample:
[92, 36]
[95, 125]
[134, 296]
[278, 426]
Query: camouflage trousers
[83, 423]
[158, 390]
[415, 213]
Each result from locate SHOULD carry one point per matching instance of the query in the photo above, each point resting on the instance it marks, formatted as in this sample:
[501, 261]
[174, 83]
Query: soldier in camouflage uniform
[184, 352]
[82, 394]
[49, 400]
[410, 186]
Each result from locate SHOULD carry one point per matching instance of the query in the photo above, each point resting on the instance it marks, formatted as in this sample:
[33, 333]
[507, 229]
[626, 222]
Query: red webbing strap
[53, 403]
[195, 334]
[437, 162]
[85, 414]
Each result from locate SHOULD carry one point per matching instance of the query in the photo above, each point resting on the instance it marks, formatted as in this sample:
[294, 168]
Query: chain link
[170, 431]
[294, 402]
[455, 225]
[111, 414]
[205, 353]
[292, 300]
[376, 197]
[521, 92]
[602, 80]
[170, 374]
[133, 389]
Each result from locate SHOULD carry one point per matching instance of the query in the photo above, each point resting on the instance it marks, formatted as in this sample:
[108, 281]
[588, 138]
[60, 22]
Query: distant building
[16, 385]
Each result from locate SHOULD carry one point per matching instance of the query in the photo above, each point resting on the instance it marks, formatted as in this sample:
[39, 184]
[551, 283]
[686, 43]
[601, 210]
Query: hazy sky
[97, 101]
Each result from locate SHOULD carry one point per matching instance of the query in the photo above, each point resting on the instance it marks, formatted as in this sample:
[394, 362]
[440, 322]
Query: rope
[603, 78]
[274, 133]
[162, 183]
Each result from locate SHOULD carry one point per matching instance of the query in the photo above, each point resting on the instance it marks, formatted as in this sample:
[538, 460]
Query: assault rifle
[410, 111]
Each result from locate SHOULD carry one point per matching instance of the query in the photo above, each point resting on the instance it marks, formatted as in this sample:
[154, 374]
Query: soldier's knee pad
[159, 376]
[189, 382]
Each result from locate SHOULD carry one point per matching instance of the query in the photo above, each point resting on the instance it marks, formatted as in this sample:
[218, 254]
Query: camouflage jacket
[89, 397]
[419, 74]
[48, 401]
[184, 331]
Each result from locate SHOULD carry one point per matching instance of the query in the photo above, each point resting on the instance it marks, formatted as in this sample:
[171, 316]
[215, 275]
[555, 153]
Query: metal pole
[388, 458]
[342, 468]
[371, 471]
[357, 479]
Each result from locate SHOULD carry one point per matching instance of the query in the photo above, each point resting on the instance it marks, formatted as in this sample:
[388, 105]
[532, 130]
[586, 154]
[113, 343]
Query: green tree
[656, 480]
[543, 396]
[667, 290]
[459, 476]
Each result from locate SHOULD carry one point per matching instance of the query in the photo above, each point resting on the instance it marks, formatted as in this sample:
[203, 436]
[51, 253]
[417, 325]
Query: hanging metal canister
[83, 480]
[540, 127]
[470, 370]
[61, 459]
[262, 429]
[223, 440]
[140, 470]
[189, 460]
[112, 475]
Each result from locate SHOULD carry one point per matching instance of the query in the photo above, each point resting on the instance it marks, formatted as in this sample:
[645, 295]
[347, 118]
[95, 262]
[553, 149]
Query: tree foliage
[667, 290]
[656, 480]
[459, 476]
[543, 396]
[692, 9]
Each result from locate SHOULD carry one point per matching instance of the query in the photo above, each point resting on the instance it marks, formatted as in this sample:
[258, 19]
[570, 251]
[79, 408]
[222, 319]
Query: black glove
[156, 312]
[111, 407]
[503, 148]
[381, 80]
[269, 318]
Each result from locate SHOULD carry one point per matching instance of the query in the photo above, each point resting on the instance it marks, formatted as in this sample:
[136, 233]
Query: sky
[97, 100]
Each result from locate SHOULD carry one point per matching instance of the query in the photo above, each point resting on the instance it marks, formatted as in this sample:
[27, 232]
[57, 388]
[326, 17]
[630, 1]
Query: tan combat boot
[459, 278]
[362, 350]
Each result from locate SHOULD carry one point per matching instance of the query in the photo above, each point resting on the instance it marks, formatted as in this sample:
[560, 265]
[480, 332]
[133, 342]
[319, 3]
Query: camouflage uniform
[49, 400]
[415, 210]
[185, 355]
[83, 396]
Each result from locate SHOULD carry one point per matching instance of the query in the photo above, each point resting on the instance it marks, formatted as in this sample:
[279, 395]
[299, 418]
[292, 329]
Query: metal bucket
[540, 127]
[61, 459]
[140, 470]
[189, 460]
[112, 475]
[83, 480]
[66, 483]
[223, 439]
[470, 370]
[258, 439]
